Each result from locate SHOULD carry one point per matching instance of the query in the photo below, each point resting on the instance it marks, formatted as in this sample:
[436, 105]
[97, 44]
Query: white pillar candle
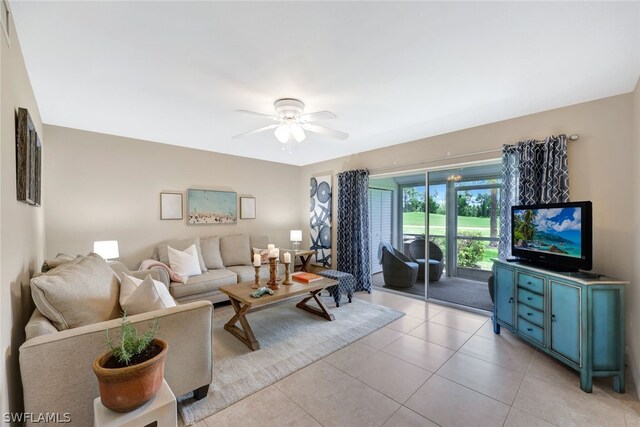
[273, 253]
[257, 260]
[277, 253]
[287, 257]
[271, 247]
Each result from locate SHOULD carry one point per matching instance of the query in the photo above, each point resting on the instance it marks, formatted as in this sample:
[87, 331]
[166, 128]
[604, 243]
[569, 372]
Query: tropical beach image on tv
[556, 231]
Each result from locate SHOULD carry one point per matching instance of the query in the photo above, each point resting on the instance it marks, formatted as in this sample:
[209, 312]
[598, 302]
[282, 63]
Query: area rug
[290, 339]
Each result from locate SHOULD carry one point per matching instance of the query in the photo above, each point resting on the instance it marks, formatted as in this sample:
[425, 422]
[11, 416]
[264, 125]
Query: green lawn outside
[413, 223]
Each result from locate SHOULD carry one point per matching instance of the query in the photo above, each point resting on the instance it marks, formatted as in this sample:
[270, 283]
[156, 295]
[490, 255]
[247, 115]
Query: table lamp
[107, 249]
[296, 237]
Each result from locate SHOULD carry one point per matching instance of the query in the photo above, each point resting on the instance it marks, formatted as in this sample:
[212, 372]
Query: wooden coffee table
[243, 302]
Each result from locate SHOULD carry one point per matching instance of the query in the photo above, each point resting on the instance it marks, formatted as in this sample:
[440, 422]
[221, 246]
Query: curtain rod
[572, 137]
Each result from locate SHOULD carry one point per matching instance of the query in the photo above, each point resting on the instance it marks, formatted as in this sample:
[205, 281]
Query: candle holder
[287, 276]
[256, 283]
[273, 273]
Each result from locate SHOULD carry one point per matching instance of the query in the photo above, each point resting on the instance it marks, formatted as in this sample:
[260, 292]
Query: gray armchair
[436, 263]
[398, 270]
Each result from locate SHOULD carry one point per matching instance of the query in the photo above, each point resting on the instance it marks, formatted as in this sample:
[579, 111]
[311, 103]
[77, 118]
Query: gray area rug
[459, 291]
[290, 339]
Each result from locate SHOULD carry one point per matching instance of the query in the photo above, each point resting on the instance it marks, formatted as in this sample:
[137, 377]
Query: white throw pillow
[141, 296]
[185, 263]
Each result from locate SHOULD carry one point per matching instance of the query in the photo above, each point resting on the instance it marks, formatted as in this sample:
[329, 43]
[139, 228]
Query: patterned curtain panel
[353, 226]
[544, 175]
[532, 172]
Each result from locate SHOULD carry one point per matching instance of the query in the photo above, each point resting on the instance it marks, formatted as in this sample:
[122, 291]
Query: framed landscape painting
[208, 207]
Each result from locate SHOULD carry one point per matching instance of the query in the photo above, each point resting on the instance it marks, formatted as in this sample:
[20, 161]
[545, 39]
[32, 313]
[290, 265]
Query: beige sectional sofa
[225, 260]
[57, 356]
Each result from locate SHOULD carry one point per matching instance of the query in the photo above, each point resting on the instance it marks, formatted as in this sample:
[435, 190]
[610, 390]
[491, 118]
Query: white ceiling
[175, 72]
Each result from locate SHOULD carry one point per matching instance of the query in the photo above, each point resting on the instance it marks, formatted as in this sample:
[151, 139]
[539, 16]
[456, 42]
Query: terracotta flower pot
[128, 388]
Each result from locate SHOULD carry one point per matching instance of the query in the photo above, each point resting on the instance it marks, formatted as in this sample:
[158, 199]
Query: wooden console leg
[246, 333]
[618, 383]
[322, 309]
[496, 328]
[201, 392]
[586, 381]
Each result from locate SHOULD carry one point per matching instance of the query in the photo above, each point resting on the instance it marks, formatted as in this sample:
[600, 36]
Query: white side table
[161, 411]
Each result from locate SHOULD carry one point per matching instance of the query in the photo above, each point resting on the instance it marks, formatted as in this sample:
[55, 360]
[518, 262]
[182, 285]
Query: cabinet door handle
[553, 317]
[510, 300]
[529, 314]
[530, 329]
[528, 283]
[528, 298]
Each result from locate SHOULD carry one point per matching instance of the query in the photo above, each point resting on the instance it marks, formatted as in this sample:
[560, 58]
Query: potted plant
[131, 371]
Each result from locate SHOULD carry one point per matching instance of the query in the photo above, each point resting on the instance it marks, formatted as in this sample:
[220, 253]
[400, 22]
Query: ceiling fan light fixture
[297, 132]
[282, 133]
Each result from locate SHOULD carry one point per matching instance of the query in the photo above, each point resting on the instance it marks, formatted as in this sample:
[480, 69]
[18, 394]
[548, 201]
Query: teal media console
[578, 321]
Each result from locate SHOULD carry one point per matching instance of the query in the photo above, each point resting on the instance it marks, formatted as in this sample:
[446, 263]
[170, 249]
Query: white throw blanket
[149, 263]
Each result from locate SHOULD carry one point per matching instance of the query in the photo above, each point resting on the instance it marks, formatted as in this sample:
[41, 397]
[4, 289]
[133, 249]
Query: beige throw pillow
[211, 252]
[181, 245]
[235, 250]
[184, 263]
[142, 296]
[81, 292]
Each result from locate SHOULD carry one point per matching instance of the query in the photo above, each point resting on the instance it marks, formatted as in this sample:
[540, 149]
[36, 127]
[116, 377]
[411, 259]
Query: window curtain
[353, 226]
[532, 172]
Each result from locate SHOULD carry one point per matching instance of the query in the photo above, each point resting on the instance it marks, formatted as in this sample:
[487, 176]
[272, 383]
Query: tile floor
[435, 366]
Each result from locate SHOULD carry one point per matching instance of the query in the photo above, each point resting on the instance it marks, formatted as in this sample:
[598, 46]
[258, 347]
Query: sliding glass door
[463, 233]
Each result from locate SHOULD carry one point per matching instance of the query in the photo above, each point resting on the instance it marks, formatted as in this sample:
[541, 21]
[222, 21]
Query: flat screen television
[556, 236]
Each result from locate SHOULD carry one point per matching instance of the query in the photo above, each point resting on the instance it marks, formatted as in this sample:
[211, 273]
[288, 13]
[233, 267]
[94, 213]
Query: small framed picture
[171, 206]
[247, 208]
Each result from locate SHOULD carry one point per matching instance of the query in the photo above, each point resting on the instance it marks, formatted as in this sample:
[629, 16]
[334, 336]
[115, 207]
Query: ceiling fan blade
[325, 131]
[318, 115]
[253, 113]
[251, 132]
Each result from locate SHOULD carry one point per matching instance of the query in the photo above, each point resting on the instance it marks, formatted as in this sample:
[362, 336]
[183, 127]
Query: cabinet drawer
[534, 332]
[531, 299]
[532, 283]
[531, 314]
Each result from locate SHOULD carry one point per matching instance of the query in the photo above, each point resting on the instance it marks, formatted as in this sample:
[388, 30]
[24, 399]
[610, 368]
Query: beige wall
[103, 187]
[633, 297]
[21, 226]
[600, 165]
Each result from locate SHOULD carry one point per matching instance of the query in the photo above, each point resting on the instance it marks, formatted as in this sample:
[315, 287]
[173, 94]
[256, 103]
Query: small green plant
[470, 252]
[131, 343]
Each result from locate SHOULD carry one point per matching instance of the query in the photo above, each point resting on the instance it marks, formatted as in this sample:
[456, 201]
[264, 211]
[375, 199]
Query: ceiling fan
[291, 122]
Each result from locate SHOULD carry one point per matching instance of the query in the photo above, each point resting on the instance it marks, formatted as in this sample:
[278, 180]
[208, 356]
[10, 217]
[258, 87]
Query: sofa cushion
[81, 292]
[206, 282]
[235, 250]
[181, 245]
[211, 252]
[142, 296]
[52, 263]
[247, 273]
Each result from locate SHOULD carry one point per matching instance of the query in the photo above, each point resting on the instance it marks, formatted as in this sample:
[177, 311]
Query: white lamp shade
[295, 235]
[107, 249]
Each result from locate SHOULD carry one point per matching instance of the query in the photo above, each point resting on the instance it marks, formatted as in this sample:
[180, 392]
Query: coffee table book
[305, 277]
